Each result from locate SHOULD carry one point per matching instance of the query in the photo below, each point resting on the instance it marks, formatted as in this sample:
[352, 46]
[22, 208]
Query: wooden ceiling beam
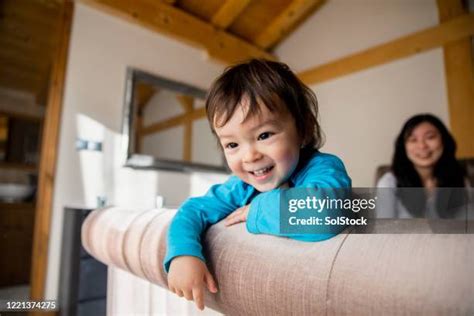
[228, 12]
[203, 10]
[144, 92]
[174, 121]
[169, 2]
[285, 22]
[455, 29]
[186, 102]
[166, 19]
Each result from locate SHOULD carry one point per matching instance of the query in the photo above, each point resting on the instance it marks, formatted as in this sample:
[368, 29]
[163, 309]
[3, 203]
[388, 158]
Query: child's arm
[196, 214]
[184, 261]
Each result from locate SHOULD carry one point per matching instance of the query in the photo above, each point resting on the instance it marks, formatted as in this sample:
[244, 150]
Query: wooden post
[49, 153]
[187, 104]
[459, 81]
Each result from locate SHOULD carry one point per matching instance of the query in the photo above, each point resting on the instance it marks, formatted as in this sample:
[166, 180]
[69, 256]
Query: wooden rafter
[166, 19]
[187, 102]
[455, 29]
[285, 22]
[174, 121]
[144, 92]
[458, 63]
[228, 12]
[138, 136]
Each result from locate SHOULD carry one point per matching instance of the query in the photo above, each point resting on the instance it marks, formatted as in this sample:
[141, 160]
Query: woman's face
[424, 145]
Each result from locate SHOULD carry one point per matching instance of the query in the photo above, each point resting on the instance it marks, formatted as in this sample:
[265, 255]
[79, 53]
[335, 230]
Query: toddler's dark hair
[272, 84]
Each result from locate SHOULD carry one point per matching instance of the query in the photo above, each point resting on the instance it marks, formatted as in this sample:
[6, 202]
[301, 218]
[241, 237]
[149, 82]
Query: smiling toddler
[266, 121]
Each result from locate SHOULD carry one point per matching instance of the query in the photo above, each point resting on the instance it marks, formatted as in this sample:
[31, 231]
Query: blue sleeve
[323, 171]
[196, 214]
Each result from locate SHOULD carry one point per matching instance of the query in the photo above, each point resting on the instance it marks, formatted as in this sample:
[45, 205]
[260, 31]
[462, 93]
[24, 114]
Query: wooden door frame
[49, 155]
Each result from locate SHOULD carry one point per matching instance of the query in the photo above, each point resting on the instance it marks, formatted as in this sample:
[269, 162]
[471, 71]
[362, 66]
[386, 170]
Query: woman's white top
[390, 206]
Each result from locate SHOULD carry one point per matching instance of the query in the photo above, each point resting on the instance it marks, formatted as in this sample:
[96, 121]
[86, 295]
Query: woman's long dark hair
[447, 171]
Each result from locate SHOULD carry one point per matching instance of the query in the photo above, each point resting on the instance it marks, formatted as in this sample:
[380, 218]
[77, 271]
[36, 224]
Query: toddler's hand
[188, 276]
[238, 216]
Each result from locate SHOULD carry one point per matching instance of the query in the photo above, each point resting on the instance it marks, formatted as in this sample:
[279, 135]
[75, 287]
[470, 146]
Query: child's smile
[263, 150]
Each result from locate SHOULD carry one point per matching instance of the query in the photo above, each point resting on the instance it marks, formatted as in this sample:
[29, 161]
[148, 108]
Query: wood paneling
[285, 22]
[458, 62]
[453, 30]
[228, 12]
[27, 37]
[49, 152]
[256, 17]
[201, 9]
[16, 239]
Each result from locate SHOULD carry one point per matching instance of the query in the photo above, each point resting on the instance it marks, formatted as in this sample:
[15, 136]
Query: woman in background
[424, 158]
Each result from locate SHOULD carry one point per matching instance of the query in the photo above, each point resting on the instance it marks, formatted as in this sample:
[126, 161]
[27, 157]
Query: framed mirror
[165, 126]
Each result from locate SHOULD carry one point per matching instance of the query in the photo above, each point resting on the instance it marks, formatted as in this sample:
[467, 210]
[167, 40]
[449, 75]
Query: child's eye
[231, 145]
[264, 135]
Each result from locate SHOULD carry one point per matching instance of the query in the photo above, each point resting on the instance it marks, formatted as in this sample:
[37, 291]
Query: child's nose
[252, 154]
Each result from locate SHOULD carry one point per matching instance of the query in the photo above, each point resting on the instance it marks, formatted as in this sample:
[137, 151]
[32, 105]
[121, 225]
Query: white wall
[362, 113]
[101, 48]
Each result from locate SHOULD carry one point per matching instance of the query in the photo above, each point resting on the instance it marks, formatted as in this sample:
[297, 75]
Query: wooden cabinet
[16, 240]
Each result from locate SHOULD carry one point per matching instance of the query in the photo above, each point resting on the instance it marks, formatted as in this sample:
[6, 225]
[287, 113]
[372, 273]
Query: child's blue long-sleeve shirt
[197, 214]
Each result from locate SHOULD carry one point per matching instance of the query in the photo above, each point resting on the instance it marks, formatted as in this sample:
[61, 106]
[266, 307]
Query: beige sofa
[356, 274]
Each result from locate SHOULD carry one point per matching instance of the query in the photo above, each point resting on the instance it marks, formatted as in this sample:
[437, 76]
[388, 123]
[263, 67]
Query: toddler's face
[262, 151]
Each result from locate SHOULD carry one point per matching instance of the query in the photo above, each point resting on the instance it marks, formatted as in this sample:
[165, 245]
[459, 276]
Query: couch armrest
[267, 275]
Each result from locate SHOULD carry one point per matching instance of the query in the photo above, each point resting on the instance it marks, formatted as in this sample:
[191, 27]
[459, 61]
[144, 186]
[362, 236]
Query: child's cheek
[290, 160]
[232, 163]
